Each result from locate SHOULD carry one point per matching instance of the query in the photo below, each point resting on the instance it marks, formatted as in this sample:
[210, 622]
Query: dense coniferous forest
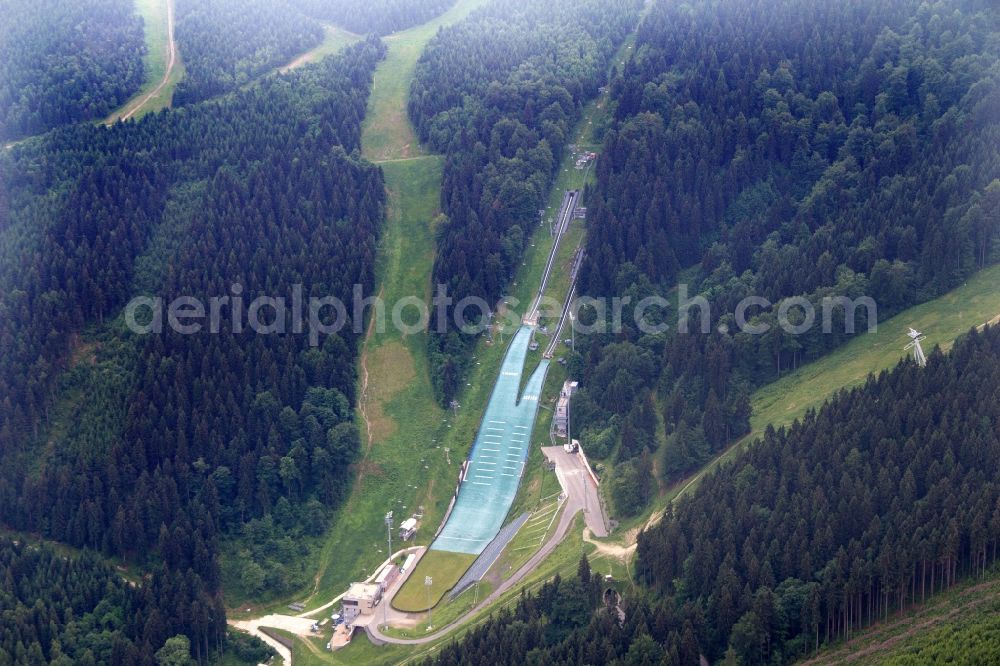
[885, 496]
[257, 190]
[778, 149]
[226, 43]
[62, 610]
[63, 61]
[77, 609]
[382, 17]
[498, 93]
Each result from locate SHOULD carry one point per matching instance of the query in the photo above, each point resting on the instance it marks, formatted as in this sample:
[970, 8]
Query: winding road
[570, 509]
[301, 624]
[581, 495]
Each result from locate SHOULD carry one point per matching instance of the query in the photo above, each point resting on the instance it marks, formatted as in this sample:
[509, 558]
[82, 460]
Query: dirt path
[335, 38]
[623, 553]
[297, 626]
[171, 62]
[364, 397]
[301, 624]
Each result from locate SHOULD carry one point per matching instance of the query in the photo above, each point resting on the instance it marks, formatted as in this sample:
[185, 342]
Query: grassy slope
[943, 320]
[388, 134]
[563, 561]
[154, 16]
[334, 39]
[444, 569]
[405, 433]
[536, 483]
[961, 626]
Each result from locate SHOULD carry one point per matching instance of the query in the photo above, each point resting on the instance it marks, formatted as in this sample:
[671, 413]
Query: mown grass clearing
[444, 569]
[387, 131]
[312, 651]
[444, 613]
[154, 15]
[563, 561]
[154, 19]
[942, 320]
[334, 39]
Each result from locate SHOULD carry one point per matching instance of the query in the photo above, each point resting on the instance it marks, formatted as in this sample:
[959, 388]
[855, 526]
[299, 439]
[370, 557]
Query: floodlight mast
[428, 581]
[918, 351]
[388, 531]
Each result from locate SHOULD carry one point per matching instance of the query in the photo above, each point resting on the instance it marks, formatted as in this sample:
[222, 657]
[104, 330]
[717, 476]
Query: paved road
[565, 522]
[301, 624]
[581, 495]
[412, 550]
[578, 484]
[296, 625]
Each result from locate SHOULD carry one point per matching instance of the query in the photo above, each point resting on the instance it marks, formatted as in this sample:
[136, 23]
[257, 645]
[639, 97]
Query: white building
[387, 576]
[562, 407]
[408, 563]
[407, 529]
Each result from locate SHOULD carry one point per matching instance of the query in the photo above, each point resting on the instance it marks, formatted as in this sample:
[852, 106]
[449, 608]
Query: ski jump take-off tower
[918, 351]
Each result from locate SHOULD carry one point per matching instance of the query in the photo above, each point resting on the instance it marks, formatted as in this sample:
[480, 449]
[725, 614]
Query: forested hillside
[198, 433]
[382, 17]
[63, 61]
[778, 149]
[67, 610]
[77, 609]
[887, 495]
[226, 43]
[498, 93]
